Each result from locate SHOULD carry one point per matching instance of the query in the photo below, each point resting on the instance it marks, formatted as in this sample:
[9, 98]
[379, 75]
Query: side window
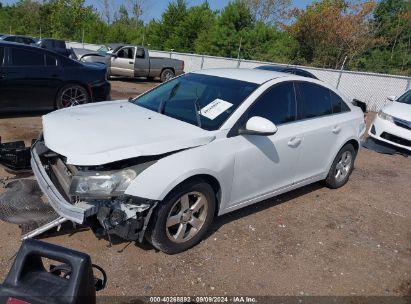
[338, 104]
[126, 53]
[140, 53]
[51, 61]
[22, 57]
[315, 100]
[1, 56]
[277, 104]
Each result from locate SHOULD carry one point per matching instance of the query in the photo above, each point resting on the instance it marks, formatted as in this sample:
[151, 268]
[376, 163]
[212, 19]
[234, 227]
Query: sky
[154, 8]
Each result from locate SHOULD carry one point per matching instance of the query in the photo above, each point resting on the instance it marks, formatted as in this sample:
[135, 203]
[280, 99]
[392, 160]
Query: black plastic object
[360, 104]
[15, 155]
[29, 281]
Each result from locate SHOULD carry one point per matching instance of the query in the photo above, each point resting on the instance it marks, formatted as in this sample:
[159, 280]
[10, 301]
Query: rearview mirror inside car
[258, 126]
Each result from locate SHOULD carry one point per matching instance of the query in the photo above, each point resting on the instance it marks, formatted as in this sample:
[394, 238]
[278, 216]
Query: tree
[270, 11]
[224, 36]
[392, 21]
[330, 30]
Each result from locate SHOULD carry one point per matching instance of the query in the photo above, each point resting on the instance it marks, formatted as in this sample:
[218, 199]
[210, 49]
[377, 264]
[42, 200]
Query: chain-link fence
[371, 88]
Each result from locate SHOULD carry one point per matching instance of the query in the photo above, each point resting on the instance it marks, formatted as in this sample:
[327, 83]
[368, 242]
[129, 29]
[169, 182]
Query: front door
[123, 63]
[264, 164]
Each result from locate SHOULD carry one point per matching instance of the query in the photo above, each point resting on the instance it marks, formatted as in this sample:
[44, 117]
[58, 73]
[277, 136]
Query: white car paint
[248, 168]
[397, 110]
[96, 134]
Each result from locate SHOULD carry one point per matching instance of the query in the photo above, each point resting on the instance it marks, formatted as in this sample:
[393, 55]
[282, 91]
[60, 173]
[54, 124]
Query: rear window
[27, 58]
[338, 104]
[316, 100]
[51, 60]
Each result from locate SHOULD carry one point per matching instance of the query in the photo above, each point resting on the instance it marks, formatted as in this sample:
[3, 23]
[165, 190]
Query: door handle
[131, 62]
[294, 142]
[3, 76]
[336, 129]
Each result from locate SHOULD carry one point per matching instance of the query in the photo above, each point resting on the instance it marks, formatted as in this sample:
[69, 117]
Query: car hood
[399, 110]
[97, 134]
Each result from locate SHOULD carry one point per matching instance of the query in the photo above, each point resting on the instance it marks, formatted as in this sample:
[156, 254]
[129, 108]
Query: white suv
[204, 144]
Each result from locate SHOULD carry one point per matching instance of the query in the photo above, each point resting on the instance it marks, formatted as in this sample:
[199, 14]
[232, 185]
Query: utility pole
[342, 68]
[239, 51]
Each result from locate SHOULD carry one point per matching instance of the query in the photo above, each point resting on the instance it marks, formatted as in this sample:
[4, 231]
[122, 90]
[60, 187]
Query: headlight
[102, 184]
[385, 116]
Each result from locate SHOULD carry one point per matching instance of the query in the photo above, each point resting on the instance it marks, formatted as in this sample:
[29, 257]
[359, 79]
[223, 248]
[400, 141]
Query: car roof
[29, 47]
[249, 75]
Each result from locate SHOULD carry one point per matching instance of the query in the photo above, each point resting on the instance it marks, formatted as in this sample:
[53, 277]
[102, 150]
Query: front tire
[72, 95]
[183, 217]
[341, 168]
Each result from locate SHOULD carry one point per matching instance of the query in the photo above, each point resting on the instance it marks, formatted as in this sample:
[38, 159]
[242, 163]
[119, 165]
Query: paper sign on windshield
[215, 108]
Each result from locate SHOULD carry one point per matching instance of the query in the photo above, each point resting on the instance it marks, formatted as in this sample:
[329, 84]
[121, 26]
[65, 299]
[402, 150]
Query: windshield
[202, 100]
[405, 98]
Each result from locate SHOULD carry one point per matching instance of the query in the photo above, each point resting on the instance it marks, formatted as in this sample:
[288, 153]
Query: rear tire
[183, 217]
[341, 168]
[166, 75]
[71, 95]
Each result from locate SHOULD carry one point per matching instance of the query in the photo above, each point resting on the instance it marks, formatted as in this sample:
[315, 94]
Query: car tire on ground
[341, 168]
[183, 217]
[71, 95]
[166, 75]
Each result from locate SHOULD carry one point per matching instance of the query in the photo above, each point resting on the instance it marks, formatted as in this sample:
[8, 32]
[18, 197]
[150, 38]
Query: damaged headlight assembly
[101, 184]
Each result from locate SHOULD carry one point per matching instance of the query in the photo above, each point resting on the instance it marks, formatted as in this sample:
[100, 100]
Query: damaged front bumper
[127, 216]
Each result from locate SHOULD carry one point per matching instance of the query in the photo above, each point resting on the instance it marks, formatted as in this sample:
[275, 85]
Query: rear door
[323, 122]
[123, 63]
[31, 84]
[142, 63]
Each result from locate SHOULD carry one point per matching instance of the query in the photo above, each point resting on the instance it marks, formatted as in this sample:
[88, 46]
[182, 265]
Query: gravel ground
[313, 241]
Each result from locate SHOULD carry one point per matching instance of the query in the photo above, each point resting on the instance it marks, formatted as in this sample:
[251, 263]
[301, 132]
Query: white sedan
[163, 165]
[392, 125]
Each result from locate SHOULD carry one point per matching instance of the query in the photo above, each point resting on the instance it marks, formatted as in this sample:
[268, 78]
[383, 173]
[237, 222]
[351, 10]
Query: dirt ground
[314, 241]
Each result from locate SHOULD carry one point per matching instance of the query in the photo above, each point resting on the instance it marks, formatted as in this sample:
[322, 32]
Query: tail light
[182, 65]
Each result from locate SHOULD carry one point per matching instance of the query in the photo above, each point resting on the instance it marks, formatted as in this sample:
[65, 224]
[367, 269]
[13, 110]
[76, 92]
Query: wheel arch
[209, 179]
[353, 141]
[73, 82]
[168, 68]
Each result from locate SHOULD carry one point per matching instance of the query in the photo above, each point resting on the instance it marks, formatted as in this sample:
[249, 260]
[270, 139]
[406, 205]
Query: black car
[17, 39]
[287, 69]
[32, 78]
[55, 45]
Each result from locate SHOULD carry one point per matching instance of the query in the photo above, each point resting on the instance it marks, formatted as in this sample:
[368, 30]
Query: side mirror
[114, 55]
[258, 126]
[392, 98]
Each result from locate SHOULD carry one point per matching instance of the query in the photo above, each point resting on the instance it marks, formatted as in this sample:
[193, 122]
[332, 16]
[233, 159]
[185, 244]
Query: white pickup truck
[134, 61]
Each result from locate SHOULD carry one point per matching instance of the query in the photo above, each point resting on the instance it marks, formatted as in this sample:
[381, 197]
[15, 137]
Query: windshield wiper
[164, 101]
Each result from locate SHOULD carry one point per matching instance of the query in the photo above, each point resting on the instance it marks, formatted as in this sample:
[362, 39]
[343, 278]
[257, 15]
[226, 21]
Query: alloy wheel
[343, 166]
[73, 96]
[186, 217]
